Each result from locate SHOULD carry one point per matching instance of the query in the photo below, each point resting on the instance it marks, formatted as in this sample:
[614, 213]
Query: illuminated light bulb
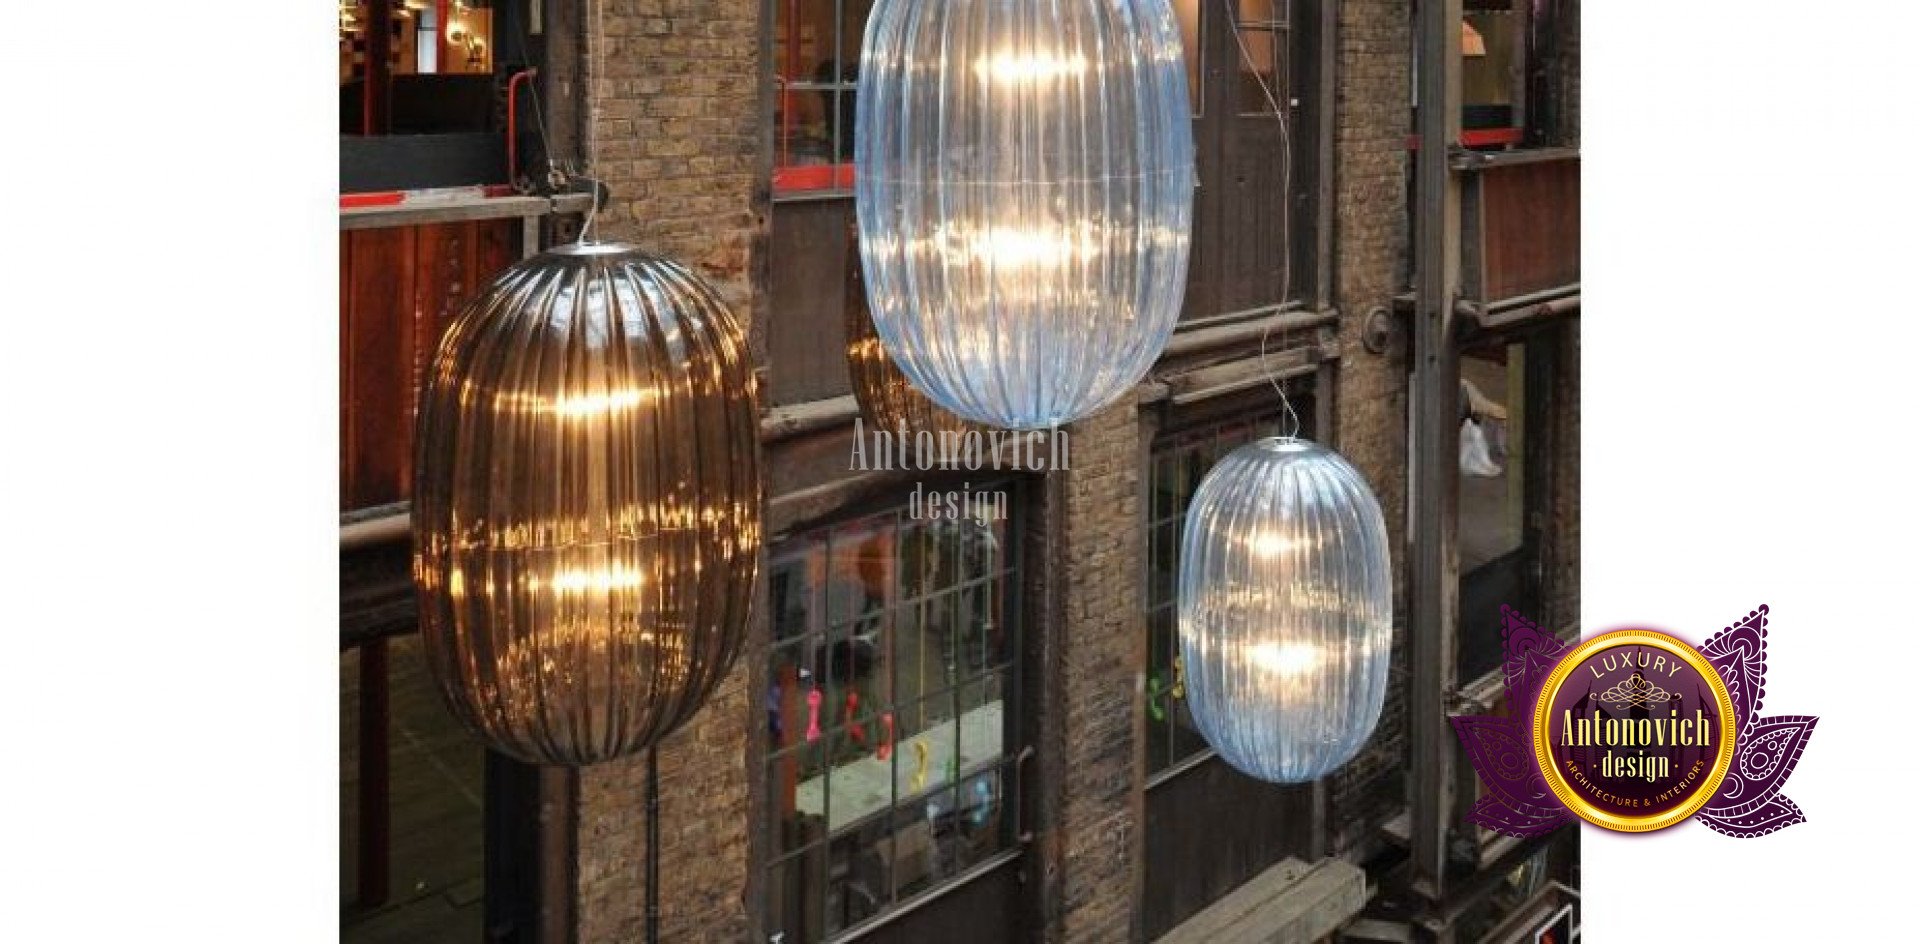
[1285, 610]
[1025, 199]
[1006, 68]
[1287, 660]
[586, 504]
[1268, 545]
[599, 580]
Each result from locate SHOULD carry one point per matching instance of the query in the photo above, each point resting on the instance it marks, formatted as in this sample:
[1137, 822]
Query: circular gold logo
[1634, 730]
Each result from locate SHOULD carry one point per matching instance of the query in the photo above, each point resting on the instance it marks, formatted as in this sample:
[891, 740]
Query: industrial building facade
[971, 726]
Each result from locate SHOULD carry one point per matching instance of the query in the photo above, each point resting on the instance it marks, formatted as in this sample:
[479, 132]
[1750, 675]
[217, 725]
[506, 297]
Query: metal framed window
[816, 58]
[1265, 27]
[893, 712]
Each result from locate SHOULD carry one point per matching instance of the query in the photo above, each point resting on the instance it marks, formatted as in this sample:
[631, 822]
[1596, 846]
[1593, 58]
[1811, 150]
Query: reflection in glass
[1025, 194]
[1286, 610]
[586, 504]
[902, 788]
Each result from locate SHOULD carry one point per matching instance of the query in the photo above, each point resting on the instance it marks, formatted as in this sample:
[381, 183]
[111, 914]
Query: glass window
[892, 713]
[1179, 462]
[1188, 13]
[816, 64]
[1262, 31]
[416, 46]
[1492, 51]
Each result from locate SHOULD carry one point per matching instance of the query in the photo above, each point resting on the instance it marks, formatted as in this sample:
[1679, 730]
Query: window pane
[927, 841]
[857, 880]
[1188, 13]
[894, 644]
[983, 722]
[1488, 49]
[796, 901]
[983, 636]
[797, 782]
[1164, 560]
[816, 59]
[982, 825]
[1263, 33]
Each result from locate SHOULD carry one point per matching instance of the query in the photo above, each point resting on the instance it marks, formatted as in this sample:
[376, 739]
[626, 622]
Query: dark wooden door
[399, 289]
[807, 312]
[1241, 235]
[1209, 829]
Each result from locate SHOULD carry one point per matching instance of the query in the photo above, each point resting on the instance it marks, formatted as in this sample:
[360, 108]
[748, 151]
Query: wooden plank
[1280, 327]
[498, 243]
[441, 259]
[1290, 903]
[806, 333]
[347, 483]
[1433, 568]
[1532, 221]
[461, 210]
[380, 309]
[1208, 832]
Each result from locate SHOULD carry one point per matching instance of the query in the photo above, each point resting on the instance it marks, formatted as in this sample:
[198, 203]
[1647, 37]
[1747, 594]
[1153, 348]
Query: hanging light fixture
[1025, 195]
[887, 400]
[1286, 609]
[586, 503]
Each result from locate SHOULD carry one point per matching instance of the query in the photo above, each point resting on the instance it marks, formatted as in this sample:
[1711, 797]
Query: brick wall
[681, 128]
[679, 133]
[1371, 247]
[1101, 648]
[676, 115]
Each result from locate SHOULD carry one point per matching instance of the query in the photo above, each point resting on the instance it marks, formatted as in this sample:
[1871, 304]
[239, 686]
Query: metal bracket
[1376, 333]
[1023, 834]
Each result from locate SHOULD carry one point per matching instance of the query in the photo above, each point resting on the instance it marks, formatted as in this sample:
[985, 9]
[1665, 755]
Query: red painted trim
[1482, 137]
[377, 198]
[513, 114]
[1489, 137]
[807, 177]
[350, 201]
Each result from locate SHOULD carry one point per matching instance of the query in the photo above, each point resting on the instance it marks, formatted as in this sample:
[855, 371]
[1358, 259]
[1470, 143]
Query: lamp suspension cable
[1292, 428]
[597, 60]
[556, 178]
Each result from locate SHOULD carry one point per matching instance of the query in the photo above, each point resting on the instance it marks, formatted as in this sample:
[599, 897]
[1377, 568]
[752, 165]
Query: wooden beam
[461, 210]
[1433, 596]
[1277, 326]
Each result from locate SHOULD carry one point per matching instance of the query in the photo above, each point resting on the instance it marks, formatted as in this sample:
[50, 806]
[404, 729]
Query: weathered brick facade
[1371, 260]
[680, 123]
[676, 113]
[1101, 655]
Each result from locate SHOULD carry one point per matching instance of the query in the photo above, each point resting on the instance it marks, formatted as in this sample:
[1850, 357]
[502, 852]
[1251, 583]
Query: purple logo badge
[1634, 731]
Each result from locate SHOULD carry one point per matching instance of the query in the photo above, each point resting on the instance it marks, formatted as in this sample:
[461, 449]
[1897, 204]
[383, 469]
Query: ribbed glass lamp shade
[586, 504]
[888, 401]
[1025, 195]
[1286, 610]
